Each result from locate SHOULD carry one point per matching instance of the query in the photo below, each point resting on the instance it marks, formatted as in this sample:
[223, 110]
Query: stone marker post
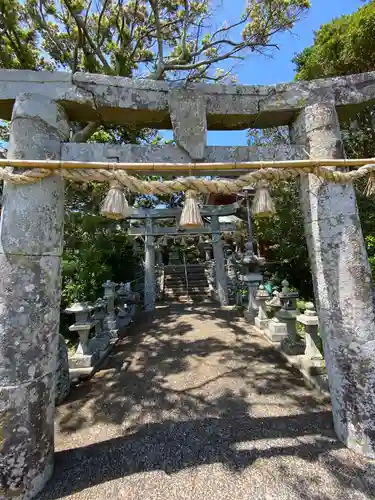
[31, 236]
[221, 275]
[342, 279]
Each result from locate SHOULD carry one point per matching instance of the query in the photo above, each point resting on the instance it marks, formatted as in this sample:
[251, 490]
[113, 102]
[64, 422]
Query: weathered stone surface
[342, 283]
[145, 102]
[31, 230]
[189, 122]
[173, 154]
[62, 372]
[26, 437]
[29, 316]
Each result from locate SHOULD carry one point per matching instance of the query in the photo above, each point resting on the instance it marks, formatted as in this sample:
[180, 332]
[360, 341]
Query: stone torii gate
[150, 230]
[41, 105]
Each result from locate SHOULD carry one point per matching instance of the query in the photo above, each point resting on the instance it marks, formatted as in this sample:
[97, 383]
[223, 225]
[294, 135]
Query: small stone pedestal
[84, 357]
[261, 321]
[313, 360]
[277, 330]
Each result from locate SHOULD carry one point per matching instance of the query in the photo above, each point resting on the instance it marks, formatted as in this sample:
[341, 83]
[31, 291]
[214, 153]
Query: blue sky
[260, 70]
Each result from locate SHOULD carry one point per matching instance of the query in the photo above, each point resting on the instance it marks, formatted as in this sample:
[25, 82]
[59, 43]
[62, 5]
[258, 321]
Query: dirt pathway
[206, 410]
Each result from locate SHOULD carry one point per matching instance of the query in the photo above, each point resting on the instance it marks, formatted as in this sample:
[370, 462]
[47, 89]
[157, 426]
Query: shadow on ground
[201, 389]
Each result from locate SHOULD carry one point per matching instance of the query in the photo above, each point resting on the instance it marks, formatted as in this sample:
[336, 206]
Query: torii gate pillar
[31, 240]
[150, 290]
[342, 279]
[221, 276]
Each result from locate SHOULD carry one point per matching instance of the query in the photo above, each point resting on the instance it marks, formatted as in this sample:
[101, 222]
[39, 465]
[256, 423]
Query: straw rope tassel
[370, 186]
[115, 205]
[191, 216]
[263, 205]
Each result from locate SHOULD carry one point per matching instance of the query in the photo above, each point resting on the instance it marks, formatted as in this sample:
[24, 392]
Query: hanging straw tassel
[191, 217]
[115, 205]
[370, 186]
[263, 205]
[164, 241]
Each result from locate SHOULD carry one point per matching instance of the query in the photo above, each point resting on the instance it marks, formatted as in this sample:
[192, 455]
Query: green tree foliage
[132, 37]
[343, 46]
[283, 233]
[157, 39]
[96, 249]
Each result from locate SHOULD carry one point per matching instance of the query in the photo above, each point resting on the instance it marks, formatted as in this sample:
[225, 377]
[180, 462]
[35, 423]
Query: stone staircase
[175, 287]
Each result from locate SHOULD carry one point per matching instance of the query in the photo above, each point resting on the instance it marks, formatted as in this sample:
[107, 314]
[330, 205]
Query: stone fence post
[342, 278]
[31, 235]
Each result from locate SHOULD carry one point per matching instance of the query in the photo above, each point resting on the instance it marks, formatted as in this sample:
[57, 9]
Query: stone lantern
[109, 295]
[276, 330]
[81, 311]
[314, 360]
[261, 321]
[288, 315]
[100, 308]
[83, 357]
[110, 319]
[124, 295]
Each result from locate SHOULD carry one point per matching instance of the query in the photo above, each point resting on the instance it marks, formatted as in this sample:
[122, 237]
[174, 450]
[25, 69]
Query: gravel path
[206, 410]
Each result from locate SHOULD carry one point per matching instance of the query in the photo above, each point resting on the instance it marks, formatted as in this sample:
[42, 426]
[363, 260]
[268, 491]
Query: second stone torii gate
[150, 230]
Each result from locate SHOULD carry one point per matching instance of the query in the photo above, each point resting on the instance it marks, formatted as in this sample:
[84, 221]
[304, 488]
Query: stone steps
[175, 282]
[183, 282]
[191, 276]
[198, 298]
[185, 290]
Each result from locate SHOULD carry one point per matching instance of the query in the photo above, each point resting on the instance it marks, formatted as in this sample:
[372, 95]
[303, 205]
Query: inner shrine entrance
[153, 233]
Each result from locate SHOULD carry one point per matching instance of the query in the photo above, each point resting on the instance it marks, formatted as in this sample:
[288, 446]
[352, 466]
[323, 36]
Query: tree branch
[98, 41]
[42, 20]
[184, 29]
[160, 63]
[228, 28]
[207, 62]
[81, 24]
[84, 134]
